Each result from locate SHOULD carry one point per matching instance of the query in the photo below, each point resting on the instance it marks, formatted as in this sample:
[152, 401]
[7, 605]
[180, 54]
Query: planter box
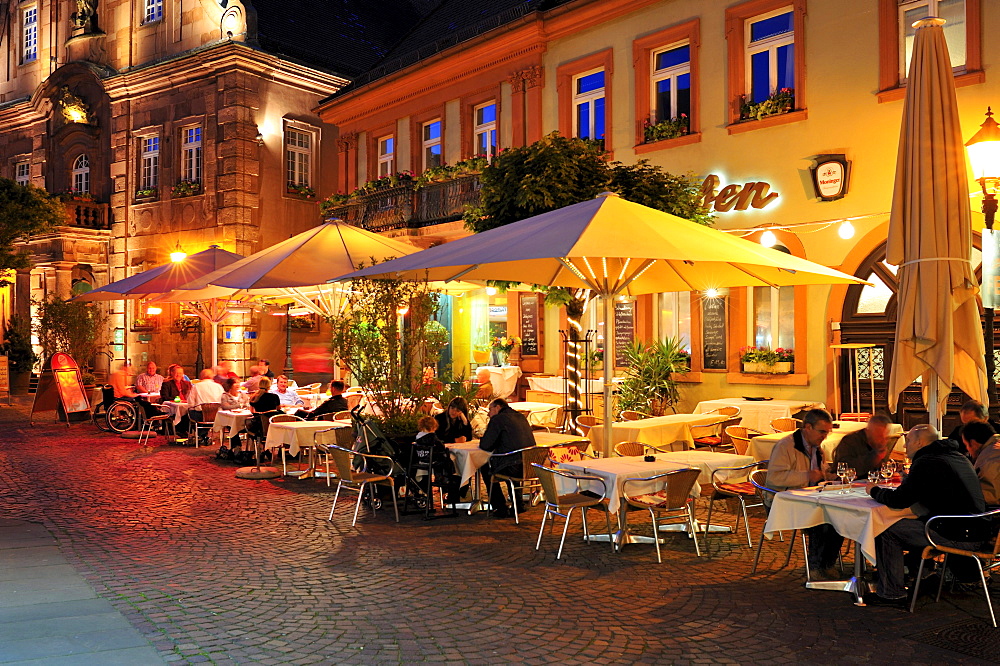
[780, 368]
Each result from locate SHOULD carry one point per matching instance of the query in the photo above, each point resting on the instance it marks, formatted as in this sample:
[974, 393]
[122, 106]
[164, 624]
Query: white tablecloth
[295, 434]
[558, 384]
[468, 458]
[539, 413]
[659, 431]
[177, 410]
[855, 515]
[235, 420]
[614, 471]
[761, 447]
[708, 462]
[503, 379]
[758, 414]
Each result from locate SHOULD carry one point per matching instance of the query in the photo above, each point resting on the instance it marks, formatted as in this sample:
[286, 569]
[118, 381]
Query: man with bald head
[942, 482]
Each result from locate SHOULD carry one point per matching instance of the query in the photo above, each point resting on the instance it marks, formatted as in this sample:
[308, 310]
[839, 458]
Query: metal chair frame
[357, 480]
[554, 505]
[687, 478]
[741, 436]
[935, 549]
[721, 493]
[762, 490]
[785, 424]
[530, 456]
[146, 430]
[282, 418]
[208, 411]
[716, 429]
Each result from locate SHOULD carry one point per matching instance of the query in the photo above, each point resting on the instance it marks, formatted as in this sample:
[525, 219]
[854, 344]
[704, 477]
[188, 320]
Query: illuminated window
[386, 155]
[953, 11]
[770, 54]
[773, 317]
[191, 154]
[675, 316]
[671, 81]
[81, 174]
[298, 157]
[22, 173]
[588, 105]
[149, 178]
[154, 11]
[485, 130]
[29, 35]
[432, 144]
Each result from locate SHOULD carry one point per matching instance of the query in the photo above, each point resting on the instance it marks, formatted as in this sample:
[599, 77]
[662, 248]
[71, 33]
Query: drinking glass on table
[841, 471]
[873, 476]
[850, 475]
[888, 469]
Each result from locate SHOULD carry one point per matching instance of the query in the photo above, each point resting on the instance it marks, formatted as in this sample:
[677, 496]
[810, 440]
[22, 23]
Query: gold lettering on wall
[754, 194]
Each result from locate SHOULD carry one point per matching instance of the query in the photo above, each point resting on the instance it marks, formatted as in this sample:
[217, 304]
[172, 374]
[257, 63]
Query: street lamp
[984, 154]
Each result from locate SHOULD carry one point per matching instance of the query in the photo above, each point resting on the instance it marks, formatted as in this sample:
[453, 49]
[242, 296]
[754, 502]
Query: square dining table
[670, 431]
[758, 414]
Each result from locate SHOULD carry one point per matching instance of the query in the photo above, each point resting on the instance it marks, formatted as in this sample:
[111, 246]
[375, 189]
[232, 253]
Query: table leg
[624, 535]
[854, 584]
[477, 504]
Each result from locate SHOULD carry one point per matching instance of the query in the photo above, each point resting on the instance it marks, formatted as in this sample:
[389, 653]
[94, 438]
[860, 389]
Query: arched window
[81, 174]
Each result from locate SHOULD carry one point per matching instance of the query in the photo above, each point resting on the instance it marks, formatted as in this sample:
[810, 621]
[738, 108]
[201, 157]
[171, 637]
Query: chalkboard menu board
[624, 330]
[713, 335]
[529, 325]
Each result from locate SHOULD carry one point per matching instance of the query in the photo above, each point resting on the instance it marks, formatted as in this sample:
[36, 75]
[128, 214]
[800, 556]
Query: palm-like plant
[648, 385]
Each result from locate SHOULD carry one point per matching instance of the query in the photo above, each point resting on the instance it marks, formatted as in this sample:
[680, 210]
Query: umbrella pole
[215, 343]
[607, 300]
[932, 399]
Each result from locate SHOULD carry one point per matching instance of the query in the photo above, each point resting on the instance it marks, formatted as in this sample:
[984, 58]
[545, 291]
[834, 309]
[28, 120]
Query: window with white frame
[671, 81]
[29, 34]
[386, 155]
[674, 317]
[81, 174]
[588, 105]
[22, 173]
[149, 163]
[952, 11]
[432, 144]
[485, 130]
[770, 54]
[191, 154]
[772, 317]
[298, 157]
[153, 11]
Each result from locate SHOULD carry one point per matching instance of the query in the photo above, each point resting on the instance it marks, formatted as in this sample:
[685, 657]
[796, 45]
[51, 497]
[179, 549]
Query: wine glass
[841, 470]
[888, 469]
[850, 475]
[873, 476]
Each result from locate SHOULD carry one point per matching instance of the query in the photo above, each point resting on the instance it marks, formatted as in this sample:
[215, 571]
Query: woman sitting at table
[176, 386]
[453, 423]
[264, 405]
[233, 398]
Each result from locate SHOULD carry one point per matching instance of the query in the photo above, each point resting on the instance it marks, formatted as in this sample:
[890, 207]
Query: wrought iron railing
[404, 206]
[87, 214]
[445, 202]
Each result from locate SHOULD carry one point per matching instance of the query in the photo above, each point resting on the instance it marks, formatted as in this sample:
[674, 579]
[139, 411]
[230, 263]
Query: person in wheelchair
[122, 385]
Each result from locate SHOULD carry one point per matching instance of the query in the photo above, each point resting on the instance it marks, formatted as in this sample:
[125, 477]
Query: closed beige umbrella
[939, 335]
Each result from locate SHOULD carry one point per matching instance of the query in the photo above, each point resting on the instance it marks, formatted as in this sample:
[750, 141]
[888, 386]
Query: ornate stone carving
[72, 108]
[85, 14]
[347, 142]
[525, 79]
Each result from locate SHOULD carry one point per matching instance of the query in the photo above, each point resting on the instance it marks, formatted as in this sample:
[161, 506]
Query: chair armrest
[927, 526]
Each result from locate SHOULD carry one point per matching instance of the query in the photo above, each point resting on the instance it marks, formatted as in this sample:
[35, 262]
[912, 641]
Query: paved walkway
[208, 568]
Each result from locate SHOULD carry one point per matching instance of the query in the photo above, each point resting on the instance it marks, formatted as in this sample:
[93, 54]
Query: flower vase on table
[500, 358]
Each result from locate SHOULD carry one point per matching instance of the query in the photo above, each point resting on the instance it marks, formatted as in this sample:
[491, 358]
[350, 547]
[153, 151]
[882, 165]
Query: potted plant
[21, 357]
[481, 354]
[765, 360]
[595, 359]
[143, 324]
[437, 338]
[668, 128]
[145, 194]
[186, 188]
[502, 347]
[71, 327]
[185, 324]
[779, 102]
[648, 385]
[73, 195]
[301, 190]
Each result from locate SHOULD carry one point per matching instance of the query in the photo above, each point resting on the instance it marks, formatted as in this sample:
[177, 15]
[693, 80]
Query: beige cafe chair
[740, 437]
[562, 505]
[669, 502]
[727, 484]
[630, 449]
[342, 416]
[758, 478]
[785, 424]
[525, 478]
[985, 560]
[713, 436]
[588, 421]
[631, 415]
[356, 480]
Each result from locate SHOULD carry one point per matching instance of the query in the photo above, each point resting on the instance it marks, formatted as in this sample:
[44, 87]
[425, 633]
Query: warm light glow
[711, 293]
[298, 312]
[846, 230]
[491, 291]
[178, 254]
[154, 310]
[768, 239]
[402, 311]
[240, 310]
[984, 149]
[75, 114]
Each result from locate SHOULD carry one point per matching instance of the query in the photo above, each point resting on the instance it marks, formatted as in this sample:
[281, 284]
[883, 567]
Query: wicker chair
[342, 416]
[588, 421]
[729, 410]
[525, 478]
[630, 449]
[713, 435]
[985, 560]
[724, 488]
[740, 437]
[562, 505]
[208, 413]
[632, 415]
[671, 503]
[758, 478]
[785, 424]
[356, 480]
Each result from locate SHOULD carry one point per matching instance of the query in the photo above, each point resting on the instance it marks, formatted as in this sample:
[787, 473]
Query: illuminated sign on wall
[831, 175]
[754, 194]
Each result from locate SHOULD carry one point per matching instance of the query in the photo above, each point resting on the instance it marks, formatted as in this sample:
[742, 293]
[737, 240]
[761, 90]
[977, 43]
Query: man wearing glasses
[797, 462]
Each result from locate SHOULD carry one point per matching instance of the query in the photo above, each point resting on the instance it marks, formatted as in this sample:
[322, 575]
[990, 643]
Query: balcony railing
[87, 214]
[404, 206]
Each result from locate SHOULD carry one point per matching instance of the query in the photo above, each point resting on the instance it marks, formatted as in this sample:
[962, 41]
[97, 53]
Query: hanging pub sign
[831, 175]
[990, 290]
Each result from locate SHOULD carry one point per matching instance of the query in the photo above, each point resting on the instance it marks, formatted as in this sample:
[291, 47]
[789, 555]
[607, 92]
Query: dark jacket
[507, 431]
[943, 482]
[956, 434]
[169, 390]
[855, 450]
[450, 429]
[332, 405]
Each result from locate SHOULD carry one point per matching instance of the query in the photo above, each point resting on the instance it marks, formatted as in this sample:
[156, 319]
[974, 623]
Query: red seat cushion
[708, 441]
[745, 488]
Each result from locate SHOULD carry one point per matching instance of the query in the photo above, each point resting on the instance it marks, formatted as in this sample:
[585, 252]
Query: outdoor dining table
[176, 410]
[503, 378]
[296, 434]
[762, 445]
[854, 515]
[558, 384]
[234, 419]
[658, 431]
[539, 413]
[758, 414]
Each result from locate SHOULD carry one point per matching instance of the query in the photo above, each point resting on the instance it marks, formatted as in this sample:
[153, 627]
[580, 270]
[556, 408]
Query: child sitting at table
[442, 464]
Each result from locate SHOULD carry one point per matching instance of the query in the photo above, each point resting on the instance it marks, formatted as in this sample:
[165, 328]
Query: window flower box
[670, 128]
[186, 188]
[762, 360]
[146, 194]
[303, 191]
[779, 368]
[780, 102]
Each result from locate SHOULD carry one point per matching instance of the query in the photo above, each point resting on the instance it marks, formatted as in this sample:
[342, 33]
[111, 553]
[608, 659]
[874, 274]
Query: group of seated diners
[957, 476]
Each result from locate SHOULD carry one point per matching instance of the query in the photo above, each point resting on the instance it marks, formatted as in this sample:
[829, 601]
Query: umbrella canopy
[938, 331]
[613, 247]
[163, 278]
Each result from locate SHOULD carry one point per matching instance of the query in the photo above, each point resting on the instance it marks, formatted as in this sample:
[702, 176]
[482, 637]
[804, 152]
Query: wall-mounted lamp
[260, 139]
[178, 254]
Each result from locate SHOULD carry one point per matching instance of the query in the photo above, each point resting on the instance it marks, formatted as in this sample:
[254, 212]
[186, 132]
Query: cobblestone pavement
[213, 569]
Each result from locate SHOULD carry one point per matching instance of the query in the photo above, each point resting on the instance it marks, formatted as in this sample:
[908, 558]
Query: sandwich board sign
[60, 386]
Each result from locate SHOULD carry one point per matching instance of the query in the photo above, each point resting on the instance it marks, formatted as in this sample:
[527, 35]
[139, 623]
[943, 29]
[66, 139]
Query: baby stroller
[428, 466]
[369, 438]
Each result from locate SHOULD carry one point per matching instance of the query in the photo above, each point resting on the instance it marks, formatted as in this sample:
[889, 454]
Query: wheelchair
[116, 414]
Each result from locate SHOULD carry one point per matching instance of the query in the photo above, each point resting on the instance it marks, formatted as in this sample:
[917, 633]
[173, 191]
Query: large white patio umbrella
[613, 247]
[939, 335]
